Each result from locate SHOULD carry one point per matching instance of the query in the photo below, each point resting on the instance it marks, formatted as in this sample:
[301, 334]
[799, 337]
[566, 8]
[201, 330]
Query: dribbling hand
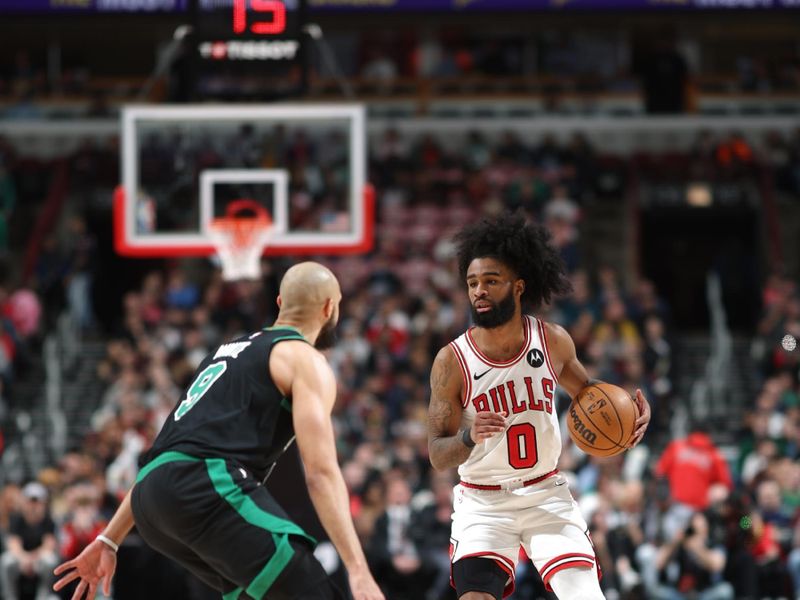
[97, 562]
[486, 425]
[643, 421]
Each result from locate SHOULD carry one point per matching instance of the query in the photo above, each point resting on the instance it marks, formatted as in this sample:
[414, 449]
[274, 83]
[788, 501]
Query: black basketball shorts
[215, 519]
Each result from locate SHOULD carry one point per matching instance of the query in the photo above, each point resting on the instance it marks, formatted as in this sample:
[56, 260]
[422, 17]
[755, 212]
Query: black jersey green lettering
[232, 409]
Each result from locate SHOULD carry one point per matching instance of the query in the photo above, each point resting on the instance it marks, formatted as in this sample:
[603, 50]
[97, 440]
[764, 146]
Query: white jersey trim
[500, 364]
[546, 349]
[466, 381]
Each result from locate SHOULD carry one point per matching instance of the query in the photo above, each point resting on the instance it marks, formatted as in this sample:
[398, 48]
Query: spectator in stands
[561, 215]
[773, 579]
[393, 556]
[79, 276]
[29, 561]
[379, 67]
[772, 509]
[615, 337]
[368, 504]
[8, 199]
[430, 529]
[691, 562]
[627, 535]
[734, 154]
[756, 462]
[696, 472]
[657, 356]
[665, 76]
[82, 524]
[794, 560]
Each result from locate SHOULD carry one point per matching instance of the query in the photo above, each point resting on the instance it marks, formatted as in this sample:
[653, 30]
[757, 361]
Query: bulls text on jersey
[513, 398]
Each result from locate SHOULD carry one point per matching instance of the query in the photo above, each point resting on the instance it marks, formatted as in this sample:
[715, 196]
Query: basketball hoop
[240, 238]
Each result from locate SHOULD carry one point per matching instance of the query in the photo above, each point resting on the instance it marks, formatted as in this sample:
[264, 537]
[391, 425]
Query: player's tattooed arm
[450, 440]
[446, 445]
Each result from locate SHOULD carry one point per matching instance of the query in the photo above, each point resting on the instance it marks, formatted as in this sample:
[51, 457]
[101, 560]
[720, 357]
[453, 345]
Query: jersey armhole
[286, 399]
[543, 338]
[466, 385]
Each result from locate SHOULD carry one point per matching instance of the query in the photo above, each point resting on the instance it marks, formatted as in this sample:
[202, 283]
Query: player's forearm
[448, 452]
[122, 521]
[329, 495]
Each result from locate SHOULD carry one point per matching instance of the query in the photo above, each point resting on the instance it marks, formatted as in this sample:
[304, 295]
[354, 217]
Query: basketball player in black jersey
[199, 499]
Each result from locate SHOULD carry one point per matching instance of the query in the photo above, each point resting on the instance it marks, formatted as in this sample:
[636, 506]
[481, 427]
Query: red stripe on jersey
[494, 363]
[543, 338]
[462, 362]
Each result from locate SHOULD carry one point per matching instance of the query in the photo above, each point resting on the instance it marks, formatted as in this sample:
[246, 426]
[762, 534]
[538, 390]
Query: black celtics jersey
[232, 409]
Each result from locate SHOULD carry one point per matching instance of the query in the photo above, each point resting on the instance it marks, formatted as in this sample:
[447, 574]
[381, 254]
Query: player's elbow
[319, 476]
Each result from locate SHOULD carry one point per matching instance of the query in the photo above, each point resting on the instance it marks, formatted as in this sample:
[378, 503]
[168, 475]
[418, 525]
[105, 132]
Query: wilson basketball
[601, 419]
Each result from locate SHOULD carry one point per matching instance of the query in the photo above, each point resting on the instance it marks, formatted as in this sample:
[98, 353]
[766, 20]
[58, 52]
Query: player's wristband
[108, 542]
[466, 438]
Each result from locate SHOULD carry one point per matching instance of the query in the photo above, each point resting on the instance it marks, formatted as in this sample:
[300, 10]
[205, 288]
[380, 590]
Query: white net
[240, 244]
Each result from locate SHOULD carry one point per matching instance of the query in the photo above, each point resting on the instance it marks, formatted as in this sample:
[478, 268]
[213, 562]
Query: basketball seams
[598, 430]
[583, 445]
[635, 410]
[616, 412]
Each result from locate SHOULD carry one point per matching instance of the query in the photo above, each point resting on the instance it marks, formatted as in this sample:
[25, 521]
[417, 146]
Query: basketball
[601, 419]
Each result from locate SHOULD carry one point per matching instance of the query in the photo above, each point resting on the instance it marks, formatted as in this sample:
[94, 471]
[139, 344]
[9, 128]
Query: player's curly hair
[522, 246]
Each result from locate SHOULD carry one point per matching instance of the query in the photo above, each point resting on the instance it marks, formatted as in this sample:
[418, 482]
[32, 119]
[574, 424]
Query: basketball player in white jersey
[492, 414]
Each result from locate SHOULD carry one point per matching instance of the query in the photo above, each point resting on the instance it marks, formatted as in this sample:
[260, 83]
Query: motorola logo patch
[535, 358]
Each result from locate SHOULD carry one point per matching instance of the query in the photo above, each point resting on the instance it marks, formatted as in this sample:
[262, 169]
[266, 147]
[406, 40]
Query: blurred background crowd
[95, 350]
[653, 510]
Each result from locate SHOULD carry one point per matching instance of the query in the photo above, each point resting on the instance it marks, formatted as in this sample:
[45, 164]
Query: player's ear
[279, 302]
[519, 286]
[327, 308]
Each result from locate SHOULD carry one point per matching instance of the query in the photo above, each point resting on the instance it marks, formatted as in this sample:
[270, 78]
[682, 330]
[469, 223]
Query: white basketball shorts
[542, 518]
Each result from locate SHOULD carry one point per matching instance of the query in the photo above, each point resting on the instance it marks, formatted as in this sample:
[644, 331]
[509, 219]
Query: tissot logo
[535, 358]
[249, 50]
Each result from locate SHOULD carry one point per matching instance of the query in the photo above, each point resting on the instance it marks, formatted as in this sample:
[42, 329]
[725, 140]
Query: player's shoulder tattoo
[442, 370]
[441, 409]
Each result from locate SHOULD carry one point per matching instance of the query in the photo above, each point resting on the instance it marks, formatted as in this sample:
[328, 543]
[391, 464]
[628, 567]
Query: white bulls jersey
[524, 387]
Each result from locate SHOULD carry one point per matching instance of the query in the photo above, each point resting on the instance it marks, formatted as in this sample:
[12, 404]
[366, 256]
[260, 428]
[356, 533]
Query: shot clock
[249, 49]
[272, 10]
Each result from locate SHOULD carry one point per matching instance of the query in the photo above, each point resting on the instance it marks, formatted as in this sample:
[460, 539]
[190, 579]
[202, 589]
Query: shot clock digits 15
[276, 24]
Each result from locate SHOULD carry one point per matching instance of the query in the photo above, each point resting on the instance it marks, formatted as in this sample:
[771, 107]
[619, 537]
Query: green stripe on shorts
[257, 516]
[232, 595]
[164, 458]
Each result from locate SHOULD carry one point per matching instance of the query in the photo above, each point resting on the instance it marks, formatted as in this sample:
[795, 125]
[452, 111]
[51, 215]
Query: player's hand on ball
[486, 425]
[643, 421]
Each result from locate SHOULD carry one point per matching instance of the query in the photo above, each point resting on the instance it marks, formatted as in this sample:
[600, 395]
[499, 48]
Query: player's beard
[502, 312]
[327, 335]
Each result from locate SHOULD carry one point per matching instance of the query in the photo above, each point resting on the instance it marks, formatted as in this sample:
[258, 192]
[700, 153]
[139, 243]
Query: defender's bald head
[306, 286]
